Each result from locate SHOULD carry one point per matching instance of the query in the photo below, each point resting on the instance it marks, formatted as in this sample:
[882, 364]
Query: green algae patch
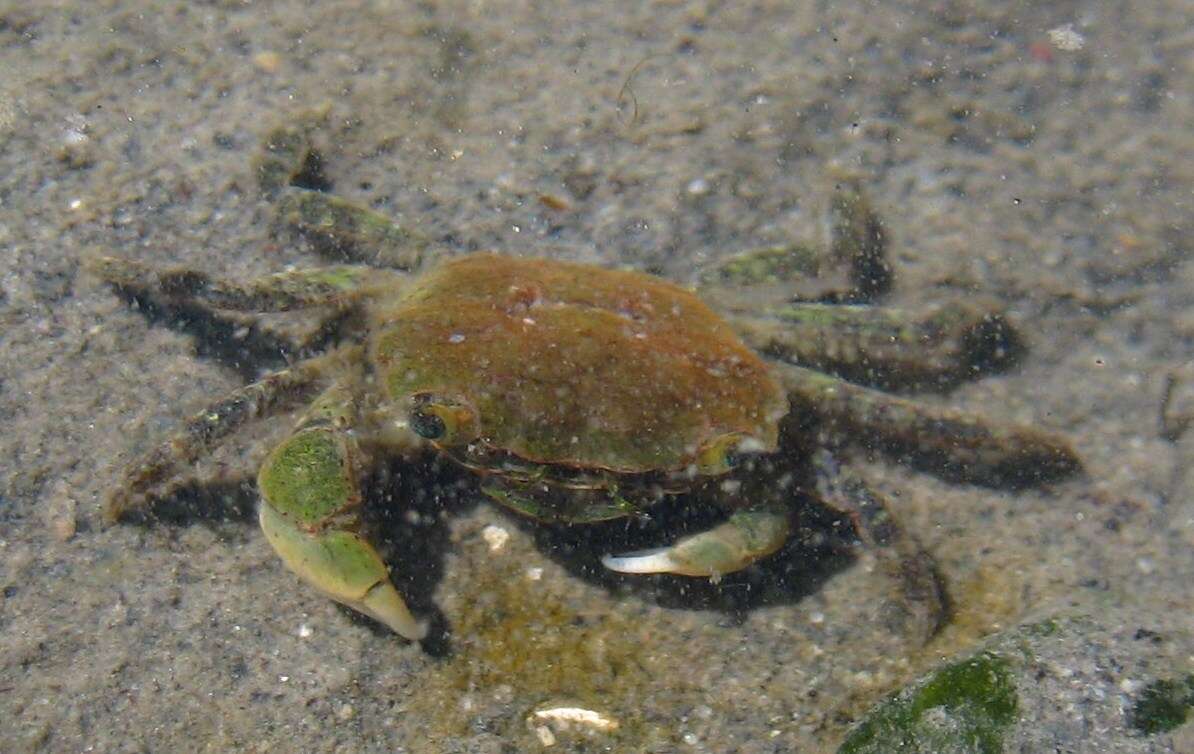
[1163, 705]
[964, 707]
[521, 645]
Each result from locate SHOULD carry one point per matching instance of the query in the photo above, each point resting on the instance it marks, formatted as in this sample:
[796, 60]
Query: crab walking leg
[746, 536]
[337, 285]
[852, 266]
[343, 231]
[338, 229]
[310, 513]
[203, 431]
[949, 442]
[287, 152]
[856, 234]
[936, 347]
[923, 610]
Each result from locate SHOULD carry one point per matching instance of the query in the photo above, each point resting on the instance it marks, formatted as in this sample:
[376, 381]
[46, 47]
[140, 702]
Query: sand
[1036, 154]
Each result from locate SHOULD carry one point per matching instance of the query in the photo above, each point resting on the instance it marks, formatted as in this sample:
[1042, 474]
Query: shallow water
[1036, 155]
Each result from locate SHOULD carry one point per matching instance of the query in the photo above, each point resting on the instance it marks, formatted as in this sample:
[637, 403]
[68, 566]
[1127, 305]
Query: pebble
[60, 513]
[268, 61]
[496, 537]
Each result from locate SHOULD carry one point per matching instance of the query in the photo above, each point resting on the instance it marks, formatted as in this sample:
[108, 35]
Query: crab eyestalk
[441, 420]
[310, 514]
[726, 453]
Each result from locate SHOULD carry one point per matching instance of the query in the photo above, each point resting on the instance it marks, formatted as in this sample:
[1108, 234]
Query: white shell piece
[496, 537]
[565, 717]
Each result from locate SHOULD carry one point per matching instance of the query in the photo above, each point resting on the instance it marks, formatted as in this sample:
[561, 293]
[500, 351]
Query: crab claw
[310, 513]
[345, 567]
[745, 537]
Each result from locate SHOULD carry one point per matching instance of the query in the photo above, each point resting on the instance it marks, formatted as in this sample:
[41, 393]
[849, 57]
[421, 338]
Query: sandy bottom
[1050, 171]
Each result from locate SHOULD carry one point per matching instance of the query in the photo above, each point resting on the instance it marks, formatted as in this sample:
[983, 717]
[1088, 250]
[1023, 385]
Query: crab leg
[289, 172]
[746, 536]
[289, 158]
[341, 230]
[937, 347]
[852, 266]
[203, 431]
[952, 443]
[337, 285]
[310, 513]
[924, 604]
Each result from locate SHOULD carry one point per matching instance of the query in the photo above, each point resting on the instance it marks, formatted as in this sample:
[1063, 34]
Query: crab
[575, 394]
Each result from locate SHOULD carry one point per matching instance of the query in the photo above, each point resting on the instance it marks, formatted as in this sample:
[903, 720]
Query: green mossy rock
[963, 707]
[1163, 705]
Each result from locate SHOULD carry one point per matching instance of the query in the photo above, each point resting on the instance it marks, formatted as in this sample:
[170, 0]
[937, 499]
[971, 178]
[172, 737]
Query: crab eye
[443, 421]
[427, 424]
[727, 453]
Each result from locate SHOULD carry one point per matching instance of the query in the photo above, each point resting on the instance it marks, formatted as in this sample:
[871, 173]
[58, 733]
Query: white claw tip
[644, 561]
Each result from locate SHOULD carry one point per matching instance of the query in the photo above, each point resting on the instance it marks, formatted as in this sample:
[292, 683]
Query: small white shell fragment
[1066, 39]
[535, 574]
[546, 737]
[567, 717]
[496, 537]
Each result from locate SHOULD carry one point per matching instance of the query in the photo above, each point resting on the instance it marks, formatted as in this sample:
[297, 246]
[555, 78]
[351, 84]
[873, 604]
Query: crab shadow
[411, 506]
[242, 345]
[247, 350]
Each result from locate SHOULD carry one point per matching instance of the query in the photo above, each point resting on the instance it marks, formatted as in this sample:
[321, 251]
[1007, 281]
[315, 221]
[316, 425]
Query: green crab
[577, 394]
